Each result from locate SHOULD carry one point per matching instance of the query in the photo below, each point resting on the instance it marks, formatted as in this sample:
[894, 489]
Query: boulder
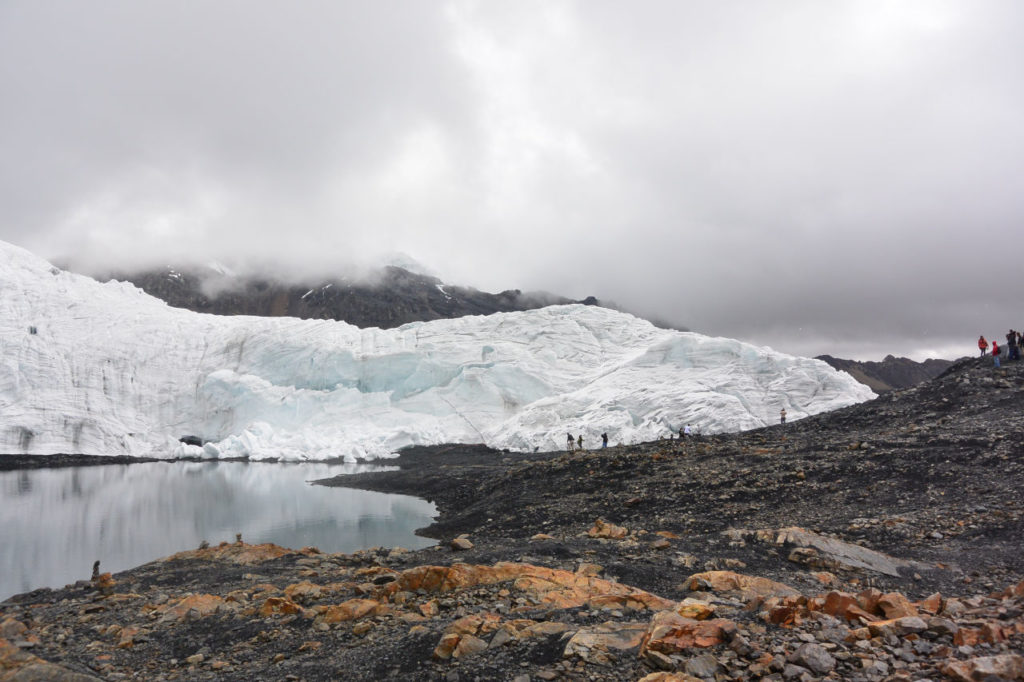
[607, 530]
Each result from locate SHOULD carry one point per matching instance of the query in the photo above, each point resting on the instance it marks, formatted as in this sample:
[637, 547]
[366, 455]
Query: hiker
[1013, 350]
[579, 443]
[782, 416]
[687, 431]
[996, 350]
[682, 433]
[982, 346]
[569, 441]
[604, 440]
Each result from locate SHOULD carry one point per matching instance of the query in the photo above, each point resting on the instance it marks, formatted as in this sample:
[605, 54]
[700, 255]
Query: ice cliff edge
[105, 369]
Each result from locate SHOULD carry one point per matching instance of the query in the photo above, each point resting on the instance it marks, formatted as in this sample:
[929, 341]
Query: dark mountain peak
[386, 297]
[891, 373]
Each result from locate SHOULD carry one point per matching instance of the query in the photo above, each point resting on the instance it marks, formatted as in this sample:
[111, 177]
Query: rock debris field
[878, 542]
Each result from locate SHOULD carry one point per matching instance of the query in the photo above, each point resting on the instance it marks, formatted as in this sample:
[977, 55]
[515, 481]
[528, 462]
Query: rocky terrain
[878, 542]
[891, 373]
[387, 298]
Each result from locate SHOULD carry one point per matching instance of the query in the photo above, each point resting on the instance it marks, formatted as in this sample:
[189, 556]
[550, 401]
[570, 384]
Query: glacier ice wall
[110, 370]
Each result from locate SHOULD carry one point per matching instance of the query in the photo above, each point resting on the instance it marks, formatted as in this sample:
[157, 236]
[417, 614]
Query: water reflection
[55, 522]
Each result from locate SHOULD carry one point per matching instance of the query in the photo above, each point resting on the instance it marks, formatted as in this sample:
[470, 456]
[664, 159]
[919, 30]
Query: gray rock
[704, 666]
[814, 657]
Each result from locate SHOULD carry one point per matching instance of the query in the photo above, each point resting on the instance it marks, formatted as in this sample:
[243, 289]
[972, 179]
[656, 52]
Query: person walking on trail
[579, 443]
[570, 441]
[1012, 350]
[782, 416]
[604, 440]
[687, 431]
[996, 351]
[982, 346]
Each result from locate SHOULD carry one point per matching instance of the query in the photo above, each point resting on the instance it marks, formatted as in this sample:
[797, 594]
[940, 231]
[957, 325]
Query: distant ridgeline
[393, 296]
[890, 374]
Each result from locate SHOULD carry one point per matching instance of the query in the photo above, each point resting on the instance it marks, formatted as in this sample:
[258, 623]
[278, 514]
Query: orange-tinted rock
[557, 588]
[104, 583]
[477, 623]
[11, 628]
[695, 609]
[868, 600]
[825, 578]
[468, 645]
[786, 616]
[669, 677]
[303, 592]
[607, 530]
[898, 626]
[351, 610]
[127, 638]
[895, 605]
[989, 632]
[192, 606]
[670, 633]
[278, 606]
[430, 609]
[845, 605]
[729, 581]
[931, 604]
[1003, 667]
[597, 644]
[967, 636]
[444, 649]
[238, 552]
[544, 629]
[461, 544]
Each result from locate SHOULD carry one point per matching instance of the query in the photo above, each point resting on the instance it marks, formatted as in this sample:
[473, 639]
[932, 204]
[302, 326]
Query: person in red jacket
[982, 345]
[995, 353]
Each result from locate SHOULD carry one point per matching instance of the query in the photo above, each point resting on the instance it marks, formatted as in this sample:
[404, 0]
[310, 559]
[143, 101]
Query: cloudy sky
[821, 177]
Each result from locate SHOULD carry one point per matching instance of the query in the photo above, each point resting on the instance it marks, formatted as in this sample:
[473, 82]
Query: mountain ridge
[387, 297]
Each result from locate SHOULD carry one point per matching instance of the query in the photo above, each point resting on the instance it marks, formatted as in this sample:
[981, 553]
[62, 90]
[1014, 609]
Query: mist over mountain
[385, 297]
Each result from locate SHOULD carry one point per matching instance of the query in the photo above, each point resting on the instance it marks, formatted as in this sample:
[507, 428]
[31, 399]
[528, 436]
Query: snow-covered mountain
[106, 369]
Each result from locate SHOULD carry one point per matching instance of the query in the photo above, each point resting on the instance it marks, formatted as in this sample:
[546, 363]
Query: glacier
[105, 369]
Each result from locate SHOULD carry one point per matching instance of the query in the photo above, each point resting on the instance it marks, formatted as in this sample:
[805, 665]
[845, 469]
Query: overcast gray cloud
[821, 177]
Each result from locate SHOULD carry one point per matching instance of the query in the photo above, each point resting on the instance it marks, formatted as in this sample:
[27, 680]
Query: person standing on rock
[570, 441]
[1012, 351]
[782, 416]
[982, 345]
[604, 440]
[996, 350]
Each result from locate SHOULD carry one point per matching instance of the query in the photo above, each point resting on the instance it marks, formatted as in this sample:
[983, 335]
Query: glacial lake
[54, 523]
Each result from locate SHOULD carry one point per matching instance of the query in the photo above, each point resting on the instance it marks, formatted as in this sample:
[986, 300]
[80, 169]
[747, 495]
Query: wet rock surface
[879, 542]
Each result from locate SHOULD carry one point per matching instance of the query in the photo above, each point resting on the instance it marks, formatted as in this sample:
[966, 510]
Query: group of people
[577, 443]
[1012, 349]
